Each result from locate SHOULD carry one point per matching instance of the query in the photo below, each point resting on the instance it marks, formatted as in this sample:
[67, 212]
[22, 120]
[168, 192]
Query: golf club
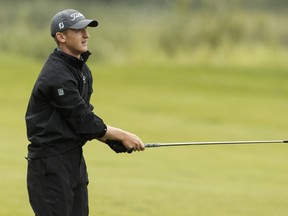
[149, 145]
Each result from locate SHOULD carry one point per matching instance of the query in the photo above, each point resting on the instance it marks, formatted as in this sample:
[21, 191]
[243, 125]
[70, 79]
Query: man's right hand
[121, 140]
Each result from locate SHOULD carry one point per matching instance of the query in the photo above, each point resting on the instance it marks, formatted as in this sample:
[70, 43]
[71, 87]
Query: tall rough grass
[183, 31]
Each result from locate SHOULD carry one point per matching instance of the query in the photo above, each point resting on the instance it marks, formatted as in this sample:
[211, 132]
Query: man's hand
[122, 141]
[117, 146]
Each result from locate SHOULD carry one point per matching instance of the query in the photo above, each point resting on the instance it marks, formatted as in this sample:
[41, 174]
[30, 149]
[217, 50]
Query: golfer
[60, 120]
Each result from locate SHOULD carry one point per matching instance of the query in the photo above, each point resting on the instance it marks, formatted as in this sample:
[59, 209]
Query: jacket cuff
[103, 132]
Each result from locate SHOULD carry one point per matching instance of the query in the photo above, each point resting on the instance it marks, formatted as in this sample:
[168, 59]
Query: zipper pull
[83, 77]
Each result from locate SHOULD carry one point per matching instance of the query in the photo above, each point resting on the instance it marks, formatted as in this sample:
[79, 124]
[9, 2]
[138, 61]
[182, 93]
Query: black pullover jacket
[59, 116]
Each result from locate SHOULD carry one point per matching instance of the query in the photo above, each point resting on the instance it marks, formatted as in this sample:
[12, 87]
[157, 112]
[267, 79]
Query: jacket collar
[71, 59]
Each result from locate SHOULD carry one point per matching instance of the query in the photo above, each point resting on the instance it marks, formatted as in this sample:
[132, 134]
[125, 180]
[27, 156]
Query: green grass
[166, 103]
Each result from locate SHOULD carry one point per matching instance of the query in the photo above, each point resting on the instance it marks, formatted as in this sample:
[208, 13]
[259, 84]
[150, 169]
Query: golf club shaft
[149, 145]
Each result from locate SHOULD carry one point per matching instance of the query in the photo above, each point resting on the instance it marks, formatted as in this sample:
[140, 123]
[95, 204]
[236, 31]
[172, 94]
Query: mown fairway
[166, 103]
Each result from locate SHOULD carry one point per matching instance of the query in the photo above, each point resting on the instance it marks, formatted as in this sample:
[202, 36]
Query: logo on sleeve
[60, 92]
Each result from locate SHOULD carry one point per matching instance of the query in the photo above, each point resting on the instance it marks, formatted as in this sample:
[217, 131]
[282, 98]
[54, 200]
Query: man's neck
[67, 51]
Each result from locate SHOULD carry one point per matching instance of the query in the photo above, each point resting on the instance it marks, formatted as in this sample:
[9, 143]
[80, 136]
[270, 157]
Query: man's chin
[84, 50]
[85, 47]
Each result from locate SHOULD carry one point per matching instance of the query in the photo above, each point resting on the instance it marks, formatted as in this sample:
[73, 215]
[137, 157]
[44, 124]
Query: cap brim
[83, 23]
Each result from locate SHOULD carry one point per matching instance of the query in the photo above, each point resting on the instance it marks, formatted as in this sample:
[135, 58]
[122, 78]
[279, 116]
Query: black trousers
[57, 186]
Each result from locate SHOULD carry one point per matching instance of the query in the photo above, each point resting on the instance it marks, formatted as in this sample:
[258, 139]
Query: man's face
[75, 41]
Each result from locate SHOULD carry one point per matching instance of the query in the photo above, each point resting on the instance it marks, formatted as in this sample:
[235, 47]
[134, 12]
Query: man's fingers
[137, 147]
[133, 143]
[140, 146]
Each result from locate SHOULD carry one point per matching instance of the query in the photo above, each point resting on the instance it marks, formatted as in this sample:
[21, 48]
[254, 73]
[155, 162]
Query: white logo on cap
[61, 25]
[76, 15]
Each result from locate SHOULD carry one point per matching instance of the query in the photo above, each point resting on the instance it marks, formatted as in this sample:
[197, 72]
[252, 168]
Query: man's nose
[86, 33]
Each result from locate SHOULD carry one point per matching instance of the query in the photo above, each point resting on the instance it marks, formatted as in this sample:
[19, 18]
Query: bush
[168, 30]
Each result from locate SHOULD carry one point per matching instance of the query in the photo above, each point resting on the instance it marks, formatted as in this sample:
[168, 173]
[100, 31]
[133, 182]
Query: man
[60, 121]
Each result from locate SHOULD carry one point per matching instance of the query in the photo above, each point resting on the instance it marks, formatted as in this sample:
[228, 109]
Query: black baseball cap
[70, 19]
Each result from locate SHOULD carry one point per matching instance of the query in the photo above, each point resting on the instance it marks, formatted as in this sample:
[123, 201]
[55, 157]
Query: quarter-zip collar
[75, 62]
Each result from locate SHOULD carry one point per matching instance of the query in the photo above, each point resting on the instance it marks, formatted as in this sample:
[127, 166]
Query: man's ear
[60, 37]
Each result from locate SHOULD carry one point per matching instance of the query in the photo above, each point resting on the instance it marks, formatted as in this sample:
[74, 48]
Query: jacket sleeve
[66, 98]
